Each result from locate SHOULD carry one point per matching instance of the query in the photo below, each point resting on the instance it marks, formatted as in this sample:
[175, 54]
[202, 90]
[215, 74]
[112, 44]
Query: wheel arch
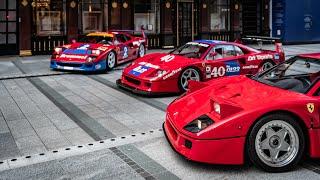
[284, 112]
[194, 67]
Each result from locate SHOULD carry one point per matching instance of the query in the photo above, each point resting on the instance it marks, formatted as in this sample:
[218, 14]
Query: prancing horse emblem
[310, 107]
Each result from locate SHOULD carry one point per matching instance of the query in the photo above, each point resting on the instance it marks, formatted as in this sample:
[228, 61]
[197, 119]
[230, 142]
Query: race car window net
[297, 74]
[195, 50]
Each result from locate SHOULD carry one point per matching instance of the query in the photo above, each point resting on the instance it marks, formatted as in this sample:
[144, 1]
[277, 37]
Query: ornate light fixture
[236, 6]
[204, 5]
[73, 4]
[125, 5]
[114, 4]
[24, 3]
[168, 4]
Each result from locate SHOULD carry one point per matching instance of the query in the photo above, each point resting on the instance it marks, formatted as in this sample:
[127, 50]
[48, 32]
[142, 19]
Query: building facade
[37, 26]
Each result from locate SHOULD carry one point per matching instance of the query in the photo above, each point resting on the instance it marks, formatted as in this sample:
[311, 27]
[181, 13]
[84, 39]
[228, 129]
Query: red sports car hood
[80, 51]
[151, 63]
[234, 94]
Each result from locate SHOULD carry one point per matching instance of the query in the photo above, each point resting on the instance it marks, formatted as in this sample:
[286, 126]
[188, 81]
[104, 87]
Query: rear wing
[260, 40]
[132, 32]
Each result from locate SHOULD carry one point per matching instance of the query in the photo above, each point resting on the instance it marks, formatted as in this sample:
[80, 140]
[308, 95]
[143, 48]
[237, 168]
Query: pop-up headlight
[199, 124]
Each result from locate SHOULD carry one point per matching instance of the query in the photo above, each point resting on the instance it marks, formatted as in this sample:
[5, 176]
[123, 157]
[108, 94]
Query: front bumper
[138, 91]
[218, 151]
[146, 87]
[87, 67]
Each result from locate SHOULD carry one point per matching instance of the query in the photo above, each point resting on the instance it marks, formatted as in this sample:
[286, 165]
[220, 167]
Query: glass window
[3, 39]
[49, 17]
[3, 27]
[12, 39]
[219, 13]
[221, 51]
[3, 15]
[297, 74]
[12, 16]
[12, 4]
[191, 50]
[239, 51]
[92, 16]
[12, 27]
[146, 13]
[3, 4]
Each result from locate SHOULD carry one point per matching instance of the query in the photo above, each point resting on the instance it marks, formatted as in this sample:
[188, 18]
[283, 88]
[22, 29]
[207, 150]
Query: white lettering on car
[250, 67]
[167, 58]
[72, 56]
[260, 57]
[215, 71]
[172, 73]
[149, 65]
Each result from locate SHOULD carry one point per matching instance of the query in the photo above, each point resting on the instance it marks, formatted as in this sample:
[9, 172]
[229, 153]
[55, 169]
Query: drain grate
[80, 150]
[20, 76]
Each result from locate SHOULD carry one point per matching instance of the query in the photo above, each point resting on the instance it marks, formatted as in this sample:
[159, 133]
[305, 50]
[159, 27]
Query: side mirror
[73, 41]
[213, 54]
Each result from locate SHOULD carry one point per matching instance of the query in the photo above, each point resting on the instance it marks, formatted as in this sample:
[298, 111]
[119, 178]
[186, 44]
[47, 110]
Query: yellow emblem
[310, 107]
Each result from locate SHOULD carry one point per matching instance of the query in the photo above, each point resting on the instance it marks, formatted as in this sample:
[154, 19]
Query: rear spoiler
[131, 31]
[264, 39]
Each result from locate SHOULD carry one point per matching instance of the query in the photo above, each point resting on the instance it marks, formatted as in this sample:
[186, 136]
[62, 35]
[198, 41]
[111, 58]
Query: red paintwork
[169, 84]
[132, 45]
[243, 101]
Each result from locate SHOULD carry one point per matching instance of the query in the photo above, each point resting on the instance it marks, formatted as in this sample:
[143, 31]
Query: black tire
[110, 66]
[251, 143]
[270, 63]
[141, 47]
[182, 89]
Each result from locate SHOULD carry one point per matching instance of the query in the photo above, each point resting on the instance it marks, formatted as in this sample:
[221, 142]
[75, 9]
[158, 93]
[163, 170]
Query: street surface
[58, 125]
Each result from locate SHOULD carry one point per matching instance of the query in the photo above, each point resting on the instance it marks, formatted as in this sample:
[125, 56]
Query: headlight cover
[158, 74]
[199, 124]
[217, 107]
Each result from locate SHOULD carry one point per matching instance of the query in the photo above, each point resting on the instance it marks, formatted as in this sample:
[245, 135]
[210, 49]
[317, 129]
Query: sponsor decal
[276, 56]
[199, 44]
[215, 71]
[125, 52]
[167, 58]
[250, 67]
[310, 107]
[73, 56]
[260, 57]
[172, 73]
[149, 65]
[84, 47]
[233, 68]
[139, 70]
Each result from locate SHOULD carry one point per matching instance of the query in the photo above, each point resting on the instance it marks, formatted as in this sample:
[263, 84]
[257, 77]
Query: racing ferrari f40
[99, 51]
[272, 118]
[202, 60]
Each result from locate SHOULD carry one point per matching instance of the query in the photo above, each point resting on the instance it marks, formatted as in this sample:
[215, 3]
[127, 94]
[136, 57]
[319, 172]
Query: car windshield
[97, 40]
[296, 74]
[191, 50]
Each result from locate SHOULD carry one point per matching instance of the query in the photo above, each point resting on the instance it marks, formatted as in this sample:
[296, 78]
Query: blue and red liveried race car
[272, 118]
[99, 51]
[201, 60]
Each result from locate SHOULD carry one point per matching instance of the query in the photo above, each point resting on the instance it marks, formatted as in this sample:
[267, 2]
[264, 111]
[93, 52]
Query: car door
[249, 62]
[222, 60]
[121, 42]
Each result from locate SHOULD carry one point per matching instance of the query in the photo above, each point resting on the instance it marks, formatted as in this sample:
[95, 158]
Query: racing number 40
[216, 71]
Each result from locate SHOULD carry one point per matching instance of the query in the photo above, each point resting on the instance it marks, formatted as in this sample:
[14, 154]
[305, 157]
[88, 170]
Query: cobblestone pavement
[57, 125]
